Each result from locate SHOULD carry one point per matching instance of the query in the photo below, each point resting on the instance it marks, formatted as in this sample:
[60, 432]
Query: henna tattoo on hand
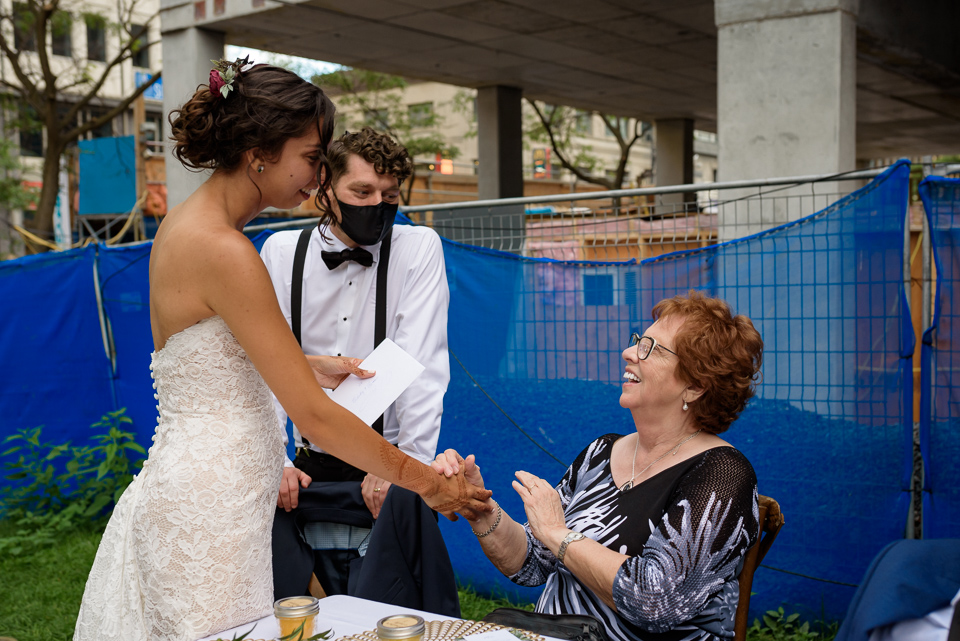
[411, 473]
[461, 500]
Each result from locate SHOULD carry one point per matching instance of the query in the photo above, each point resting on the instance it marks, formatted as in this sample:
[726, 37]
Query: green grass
[41, 593]
[475, 607]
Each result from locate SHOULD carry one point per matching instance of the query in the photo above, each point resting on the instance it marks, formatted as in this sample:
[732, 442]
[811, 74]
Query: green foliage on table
[59, 487]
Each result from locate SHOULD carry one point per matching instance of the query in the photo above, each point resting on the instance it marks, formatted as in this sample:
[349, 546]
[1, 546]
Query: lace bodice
[187, 550]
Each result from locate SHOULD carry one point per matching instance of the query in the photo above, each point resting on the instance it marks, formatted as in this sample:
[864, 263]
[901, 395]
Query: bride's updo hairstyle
[259, 107]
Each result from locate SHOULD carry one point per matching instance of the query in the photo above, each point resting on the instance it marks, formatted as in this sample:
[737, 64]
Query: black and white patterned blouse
[686, 531]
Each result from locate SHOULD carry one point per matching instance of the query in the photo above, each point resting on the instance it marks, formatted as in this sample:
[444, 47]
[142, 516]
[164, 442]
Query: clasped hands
[541, 501]
[330, 371]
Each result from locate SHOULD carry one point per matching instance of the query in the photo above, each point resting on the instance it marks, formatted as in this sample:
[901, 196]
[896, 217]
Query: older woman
[647, 531]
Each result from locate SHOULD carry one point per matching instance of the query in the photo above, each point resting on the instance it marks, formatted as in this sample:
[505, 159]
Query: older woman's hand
[449, 462]
[541, 501]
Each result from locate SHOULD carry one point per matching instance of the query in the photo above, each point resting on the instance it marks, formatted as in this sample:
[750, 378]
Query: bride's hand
[456, 494]
[330, 371]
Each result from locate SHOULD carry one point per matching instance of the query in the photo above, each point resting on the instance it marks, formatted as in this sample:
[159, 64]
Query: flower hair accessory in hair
[225, 73]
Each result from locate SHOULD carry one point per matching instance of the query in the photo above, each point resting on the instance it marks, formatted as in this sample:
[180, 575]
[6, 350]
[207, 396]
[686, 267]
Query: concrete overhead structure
[674, 158]
[786, 103]
[790, 86]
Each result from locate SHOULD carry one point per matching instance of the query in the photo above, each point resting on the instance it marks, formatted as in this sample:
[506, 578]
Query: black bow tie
[335, 259]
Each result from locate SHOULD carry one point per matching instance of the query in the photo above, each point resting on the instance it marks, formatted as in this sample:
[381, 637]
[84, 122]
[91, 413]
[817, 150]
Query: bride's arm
[236, 286]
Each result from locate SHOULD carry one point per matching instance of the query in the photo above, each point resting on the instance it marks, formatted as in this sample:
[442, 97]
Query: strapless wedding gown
[187, 552]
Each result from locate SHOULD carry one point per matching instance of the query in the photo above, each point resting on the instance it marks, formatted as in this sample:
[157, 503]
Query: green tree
[56, 84]
[560, 126]
[374, 99]
[13, 194]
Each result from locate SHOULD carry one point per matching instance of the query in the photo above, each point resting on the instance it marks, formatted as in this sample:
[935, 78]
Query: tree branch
[27, 84]
[113, 113]
[124, 54]
[548, 126]
[41, 22]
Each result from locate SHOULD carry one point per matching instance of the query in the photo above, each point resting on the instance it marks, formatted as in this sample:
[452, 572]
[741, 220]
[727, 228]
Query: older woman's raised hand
[541, 502]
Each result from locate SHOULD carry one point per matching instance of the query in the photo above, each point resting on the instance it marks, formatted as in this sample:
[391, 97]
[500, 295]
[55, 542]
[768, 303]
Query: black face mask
[369, 224]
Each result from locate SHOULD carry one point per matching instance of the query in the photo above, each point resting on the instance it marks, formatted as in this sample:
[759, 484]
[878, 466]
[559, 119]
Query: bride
[187, 550]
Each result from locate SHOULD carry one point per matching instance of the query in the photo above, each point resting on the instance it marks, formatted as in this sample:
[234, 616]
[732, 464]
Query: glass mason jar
[294, 611]
[401, 627]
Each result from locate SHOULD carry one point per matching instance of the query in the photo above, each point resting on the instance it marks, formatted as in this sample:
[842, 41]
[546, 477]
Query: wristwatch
[567, 540]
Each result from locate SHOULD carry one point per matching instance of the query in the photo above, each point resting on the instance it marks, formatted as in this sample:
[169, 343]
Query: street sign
[155, 91]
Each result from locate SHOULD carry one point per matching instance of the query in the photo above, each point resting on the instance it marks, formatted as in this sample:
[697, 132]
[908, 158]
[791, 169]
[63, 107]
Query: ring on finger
[376, 489]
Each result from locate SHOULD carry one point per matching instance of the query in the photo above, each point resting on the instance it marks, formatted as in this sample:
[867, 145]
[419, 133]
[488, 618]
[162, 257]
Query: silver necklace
[629, 484]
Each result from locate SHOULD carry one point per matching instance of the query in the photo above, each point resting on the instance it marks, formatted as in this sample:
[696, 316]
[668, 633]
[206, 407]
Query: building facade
[84, 40]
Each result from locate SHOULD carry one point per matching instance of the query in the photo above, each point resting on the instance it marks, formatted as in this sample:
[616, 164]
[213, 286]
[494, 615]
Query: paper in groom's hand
[369, 398]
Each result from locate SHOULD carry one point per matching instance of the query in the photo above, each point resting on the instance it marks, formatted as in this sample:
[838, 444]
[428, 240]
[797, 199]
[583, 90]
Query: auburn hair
[716, 351]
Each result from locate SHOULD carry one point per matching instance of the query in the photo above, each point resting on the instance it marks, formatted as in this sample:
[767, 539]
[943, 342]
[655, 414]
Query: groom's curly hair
[387, 156]
[380, 150]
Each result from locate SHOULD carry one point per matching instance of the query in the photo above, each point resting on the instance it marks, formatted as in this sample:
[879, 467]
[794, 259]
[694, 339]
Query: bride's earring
[260, 169]
[685, 406]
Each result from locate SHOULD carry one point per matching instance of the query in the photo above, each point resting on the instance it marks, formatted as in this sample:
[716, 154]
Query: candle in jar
[294, 612]
[401, 627]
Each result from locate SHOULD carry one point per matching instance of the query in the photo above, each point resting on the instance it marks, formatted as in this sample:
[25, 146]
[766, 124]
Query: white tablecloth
[347, 616]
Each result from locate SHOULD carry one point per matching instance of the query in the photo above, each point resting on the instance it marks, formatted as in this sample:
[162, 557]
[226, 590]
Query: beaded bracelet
[492, 527]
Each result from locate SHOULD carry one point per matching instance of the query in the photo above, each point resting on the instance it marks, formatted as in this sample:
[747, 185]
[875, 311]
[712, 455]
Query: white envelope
[369, 398]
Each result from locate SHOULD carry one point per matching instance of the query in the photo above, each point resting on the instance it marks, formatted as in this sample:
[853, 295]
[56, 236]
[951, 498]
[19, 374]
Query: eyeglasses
[645, 346]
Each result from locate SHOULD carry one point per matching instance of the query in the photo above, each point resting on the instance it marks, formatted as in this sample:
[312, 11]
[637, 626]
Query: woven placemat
[450, 630]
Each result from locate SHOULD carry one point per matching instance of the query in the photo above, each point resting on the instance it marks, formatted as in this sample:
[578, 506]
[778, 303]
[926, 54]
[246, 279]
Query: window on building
[60, 26]
[598, 289]
[103, 131]
[96, 37]
[379, 119]
[24, 37]
[421, 115]
[623, 124]
[584, 123]
[31, 132]
[139, 48]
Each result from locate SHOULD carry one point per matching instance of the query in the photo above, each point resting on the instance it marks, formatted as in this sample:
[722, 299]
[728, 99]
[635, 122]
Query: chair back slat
[771, 520]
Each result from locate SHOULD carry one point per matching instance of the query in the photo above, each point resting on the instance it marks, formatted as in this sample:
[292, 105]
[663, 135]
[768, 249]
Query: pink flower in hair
[216, 82]
[224, 73]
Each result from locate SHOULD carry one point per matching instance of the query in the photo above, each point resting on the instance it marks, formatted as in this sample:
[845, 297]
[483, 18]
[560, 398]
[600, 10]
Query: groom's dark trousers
[406, 563]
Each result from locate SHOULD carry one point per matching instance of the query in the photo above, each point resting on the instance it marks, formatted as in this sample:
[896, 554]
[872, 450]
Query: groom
[341, 265]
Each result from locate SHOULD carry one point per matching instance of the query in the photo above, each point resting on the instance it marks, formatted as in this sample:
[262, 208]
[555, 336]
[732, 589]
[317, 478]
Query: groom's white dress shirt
[338, 313]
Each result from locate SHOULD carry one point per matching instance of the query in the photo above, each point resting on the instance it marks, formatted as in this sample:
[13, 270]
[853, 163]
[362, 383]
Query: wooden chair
[315, 589]
[771, 520]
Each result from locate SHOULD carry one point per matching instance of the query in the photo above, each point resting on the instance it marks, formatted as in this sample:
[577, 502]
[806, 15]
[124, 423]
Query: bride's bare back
[181, 275]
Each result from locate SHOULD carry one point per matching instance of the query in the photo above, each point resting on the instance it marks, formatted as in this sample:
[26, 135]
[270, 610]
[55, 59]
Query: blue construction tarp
[940, 371]
[108, 175]
[829, 431]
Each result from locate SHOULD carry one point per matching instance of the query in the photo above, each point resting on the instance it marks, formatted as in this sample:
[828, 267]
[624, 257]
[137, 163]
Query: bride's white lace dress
[187, 550]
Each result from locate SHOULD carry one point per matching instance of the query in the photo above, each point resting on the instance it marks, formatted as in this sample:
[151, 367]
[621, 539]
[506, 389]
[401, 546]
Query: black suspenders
[296, 298]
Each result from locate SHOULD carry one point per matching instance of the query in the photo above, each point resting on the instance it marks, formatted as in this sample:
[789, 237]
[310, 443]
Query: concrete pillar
[186, 63]
[673, 163]
[500, 171]
[786, 99]
[499, 142]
